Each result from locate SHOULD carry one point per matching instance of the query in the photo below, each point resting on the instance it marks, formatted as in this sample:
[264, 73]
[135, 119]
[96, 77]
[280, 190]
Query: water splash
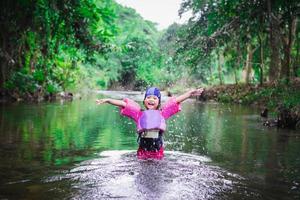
[119, 174]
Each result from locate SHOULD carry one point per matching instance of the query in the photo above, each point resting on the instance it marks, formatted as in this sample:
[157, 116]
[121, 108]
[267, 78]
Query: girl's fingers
[197, 92]
[99, 101]
[200, 90]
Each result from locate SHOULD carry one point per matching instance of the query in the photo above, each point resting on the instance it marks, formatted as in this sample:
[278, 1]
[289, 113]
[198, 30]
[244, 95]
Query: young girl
[151, 122]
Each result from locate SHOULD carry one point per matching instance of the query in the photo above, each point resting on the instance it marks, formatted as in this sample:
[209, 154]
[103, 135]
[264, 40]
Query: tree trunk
[297, 59]
[287, 44]
[220, 66]
[274, 45]
[2, 77]
[238, 49]
[261, 45]
[261, 65]
[248, 67]
[235, 76]
[210, 71]
[3, 62]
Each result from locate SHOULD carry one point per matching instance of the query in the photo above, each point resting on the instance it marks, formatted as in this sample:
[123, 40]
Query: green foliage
[39, 75]
[225, 98]
[229, 28]
[52, 87]
[83, 44]
[286, 96]
[135, 58]
[269, 95]
[21, 82]
[60, 36]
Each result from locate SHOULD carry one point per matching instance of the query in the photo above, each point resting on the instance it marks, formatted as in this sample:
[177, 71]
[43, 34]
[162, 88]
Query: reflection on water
[118, 174]
[51, 151]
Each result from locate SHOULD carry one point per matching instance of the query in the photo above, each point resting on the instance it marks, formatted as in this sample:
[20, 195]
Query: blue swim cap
[153, 91]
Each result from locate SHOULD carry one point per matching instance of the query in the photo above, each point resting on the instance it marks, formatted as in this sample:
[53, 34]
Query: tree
[43, 41]
[215, 22]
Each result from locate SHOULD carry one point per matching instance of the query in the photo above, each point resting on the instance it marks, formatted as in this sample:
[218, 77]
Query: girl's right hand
[101, 101]
[114, 102]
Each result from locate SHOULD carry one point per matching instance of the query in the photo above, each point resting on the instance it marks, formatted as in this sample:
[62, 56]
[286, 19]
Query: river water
[77, 150]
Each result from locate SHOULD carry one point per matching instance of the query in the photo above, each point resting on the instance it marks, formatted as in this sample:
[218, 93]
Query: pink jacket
[134, 111]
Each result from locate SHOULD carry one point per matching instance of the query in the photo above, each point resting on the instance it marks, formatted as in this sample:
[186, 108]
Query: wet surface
[77, 150]
[118, 174]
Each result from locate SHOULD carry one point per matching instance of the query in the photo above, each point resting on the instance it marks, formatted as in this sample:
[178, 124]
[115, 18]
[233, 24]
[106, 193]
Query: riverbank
[282, 99]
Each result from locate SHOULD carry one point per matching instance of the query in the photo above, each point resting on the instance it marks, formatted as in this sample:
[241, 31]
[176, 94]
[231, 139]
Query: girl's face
[151, 102]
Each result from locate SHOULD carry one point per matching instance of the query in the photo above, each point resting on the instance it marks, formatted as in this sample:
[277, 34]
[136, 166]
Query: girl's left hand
[196, 92]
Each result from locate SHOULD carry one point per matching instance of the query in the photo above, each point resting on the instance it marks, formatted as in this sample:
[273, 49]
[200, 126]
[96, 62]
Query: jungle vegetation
[49, 46]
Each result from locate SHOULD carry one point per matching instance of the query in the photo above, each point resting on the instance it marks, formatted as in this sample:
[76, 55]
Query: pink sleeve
[132, 109]
[170, 108]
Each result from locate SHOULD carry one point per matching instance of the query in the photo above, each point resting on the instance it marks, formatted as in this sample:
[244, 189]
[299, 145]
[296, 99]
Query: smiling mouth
[151, 103]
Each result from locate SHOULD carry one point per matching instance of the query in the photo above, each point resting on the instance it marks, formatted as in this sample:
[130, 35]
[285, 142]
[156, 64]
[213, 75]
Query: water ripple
[119, 174]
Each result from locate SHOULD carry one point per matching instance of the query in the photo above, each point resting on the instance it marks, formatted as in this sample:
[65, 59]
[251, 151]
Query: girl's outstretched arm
[114, 102]
[191, 93]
